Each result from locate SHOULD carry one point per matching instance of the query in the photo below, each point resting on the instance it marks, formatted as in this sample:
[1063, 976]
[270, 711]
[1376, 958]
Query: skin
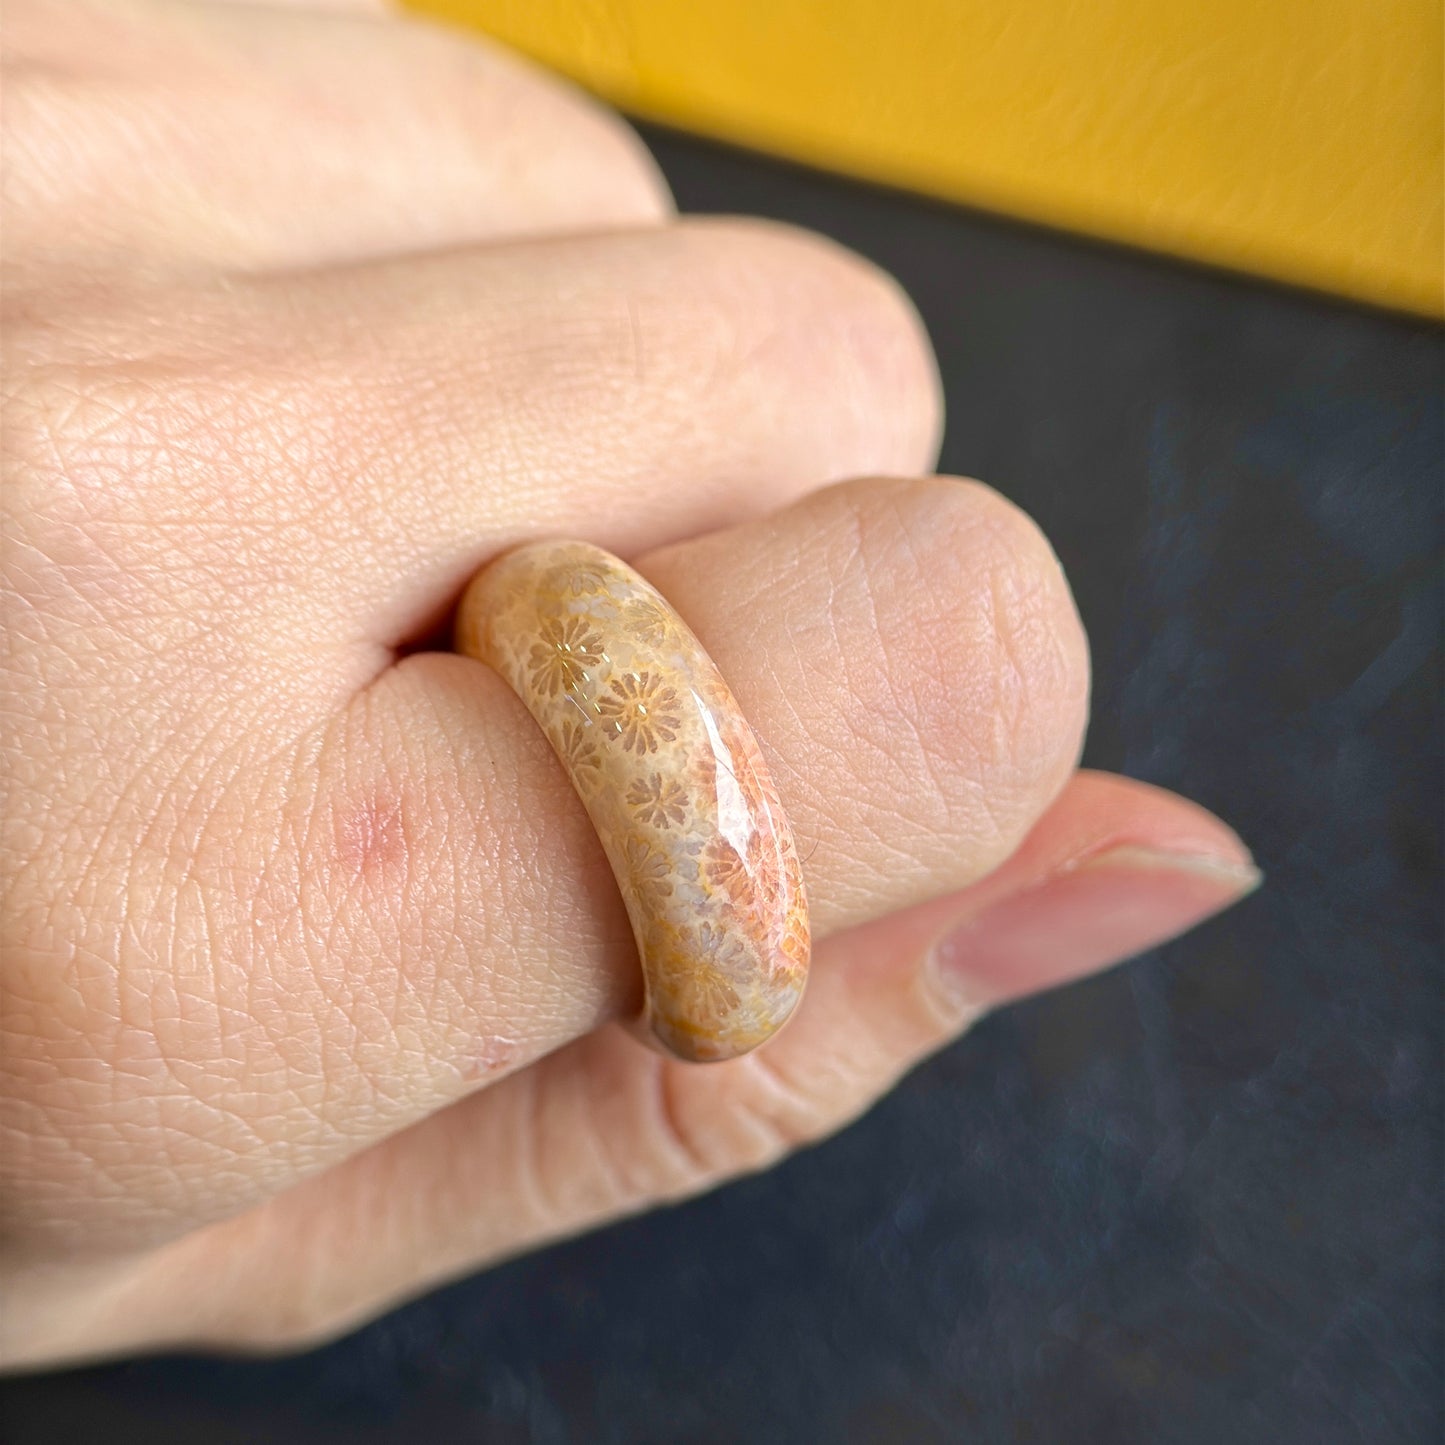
[312, 965]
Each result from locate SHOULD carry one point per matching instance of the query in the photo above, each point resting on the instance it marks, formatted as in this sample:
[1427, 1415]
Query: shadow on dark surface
[1194, 1201]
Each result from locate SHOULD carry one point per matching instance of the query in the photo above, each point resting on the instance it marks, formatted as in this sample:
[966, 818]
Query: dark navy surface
[1194, 1202]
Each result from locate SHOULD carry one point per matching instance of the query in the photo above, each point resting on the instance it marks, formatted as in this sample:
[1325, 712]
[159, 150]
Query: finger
[406, 420]
[604, 1128]
[261, 136]
[656, 385]
[910, 658]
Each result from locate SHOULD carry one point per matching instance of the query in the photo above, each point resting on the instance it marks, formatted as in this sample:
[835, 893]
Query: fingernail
[1094, 913]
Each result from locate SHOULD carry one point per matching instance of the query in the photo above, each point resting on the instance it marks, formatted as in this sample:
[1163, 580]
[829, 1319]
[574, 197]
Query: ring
[672, 778]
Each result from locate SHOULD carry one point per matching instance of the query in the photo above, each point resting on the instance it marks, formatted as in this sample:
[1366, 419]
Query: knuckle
[834, 314]
[76, 451]
[984, 662]
[85, 444]
[629, 186]
[1042, 666]
[748, 1117]
[496, 106]
[143, 480]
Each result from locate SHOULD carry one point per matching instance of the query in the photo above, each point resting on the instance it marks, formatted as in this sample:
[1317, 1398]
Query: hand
[310, 954]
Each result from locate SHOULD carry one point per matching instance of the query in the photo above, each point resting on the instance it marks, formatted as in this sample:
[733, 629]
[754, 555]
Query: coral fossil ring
[672, 778]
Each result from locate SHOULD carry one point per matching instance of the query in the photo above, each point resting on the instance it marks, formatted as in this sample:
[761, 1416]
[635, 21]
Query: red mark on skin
[492, 1056]
[371, 838]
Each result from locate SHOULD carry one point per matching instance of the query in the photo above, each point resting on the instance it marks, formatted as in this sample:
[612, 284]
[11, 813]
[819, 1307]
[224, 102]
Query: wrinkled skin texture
[311, 961]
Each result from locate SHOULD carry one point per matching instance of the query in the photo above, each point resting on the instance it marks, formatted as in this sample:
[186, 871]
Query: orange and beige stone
[672, 778]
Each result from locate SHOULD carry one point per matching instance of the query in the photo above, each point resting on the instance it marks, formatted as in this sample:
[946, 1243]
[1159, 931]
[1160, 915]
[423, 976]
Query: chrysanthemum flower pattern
[723, 866]
[646, 621]
[577, 741]
[641, 711]
[673, 781]
[712, 990]
[657, 800]
[568, 652]
[649, 870]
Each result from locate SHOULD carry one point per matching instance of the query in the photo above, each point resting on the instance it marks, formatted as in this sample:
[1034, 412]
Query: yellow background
[1300, 139]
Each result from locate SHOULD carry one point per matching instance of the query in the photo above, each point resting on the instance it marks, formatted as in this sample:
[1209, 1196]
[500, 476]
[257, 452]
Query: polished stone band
[672, 778]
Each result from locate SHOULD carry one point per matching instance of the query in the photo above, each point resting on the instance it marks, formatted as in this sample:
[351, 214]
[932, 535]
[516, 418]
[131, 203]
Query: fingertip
[1077, 922]
[1115, 867]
